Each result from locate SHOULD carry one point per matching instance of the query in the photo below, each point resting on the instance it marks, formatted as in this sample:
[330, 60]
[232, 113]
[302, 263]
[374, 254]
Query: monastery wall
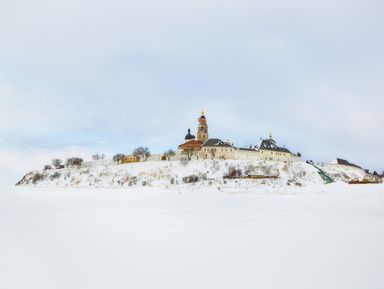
[246, 155]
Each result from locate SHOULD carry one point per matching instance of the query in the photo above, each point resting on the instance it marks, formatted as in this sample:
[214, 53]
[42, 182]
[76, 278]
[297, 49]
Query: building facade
[247, 154]
[269, 150]
[217, 149]
[190, 150]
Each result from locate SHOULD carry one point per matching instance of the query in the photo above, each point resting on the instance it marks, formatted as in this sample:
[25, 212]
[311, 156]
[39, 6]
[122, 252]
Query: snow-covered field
[319, 236]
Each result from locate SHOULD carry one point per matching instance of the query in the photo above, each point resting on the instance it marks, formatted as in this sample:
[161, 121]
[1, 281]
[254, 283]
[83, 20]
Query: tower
[202, 131]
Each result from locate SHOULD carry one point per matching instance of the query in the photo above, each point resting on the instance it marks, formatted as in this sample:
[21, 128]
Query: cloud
[118, 74]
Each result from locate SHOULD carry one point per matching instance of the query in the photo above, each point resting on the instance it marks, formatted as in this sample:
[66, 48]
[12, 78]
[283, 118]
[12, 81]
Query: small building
[215, 148]
[269, 150]
[343, 162]
[130, 159]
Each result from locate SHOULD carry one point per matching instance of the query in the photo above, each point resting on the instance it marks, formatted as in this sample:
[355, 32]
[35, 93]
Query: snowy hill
[166, 174]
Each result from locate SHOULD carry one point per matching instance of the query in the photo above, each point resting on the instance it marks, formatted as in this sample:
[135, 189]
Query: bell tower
[202, 131]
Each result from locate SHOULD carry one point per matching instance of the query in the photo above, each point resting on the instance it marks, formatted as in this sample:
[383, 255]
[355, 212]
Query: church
[191, 148]
[202, 147]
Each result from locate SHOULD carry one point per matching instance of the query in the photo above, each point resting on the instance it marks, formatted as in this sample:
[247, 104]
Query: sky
[79, 77]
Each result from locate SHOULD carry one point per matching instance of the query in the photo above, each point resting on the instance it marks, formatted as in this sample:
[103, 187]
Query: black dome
[189, 135]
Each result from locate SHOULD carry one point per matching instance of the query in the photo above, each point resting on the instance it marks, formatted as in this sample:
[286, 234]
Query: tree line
[143, 153]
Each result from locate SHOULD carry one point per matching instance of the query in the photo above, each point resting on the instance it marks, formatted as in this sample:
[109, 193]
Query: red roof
[192, 144]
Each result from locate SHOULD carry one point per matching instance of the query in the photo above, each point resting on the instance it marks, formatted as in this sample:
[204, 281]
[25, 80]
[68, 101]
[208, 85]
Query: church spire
[271, 138]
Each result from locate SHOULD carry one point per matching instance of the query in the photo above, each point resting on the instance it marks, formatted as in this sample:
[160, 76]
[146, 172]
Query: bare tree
[118, 158]
[189, 152]
[97, 157]
[184, 161]
[74, 162]
[142, 152]
[57, 163]
[169, 154]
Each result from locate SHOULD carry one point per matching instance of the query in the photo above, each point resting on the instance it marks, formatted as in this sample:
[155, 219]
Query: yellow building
[130, 159]
[269, 150]
[215, 148]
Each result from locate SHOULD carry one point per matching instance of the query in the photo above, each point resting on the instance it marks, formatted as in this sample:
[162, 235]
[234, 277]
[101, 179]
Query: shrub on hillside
[184, 161]
[215, 166]
[233, 173]
[47, 167]
[37, 178]
[249, 170]
[56, 163]
[74, 162]
[169, 154]
[132, 181]
[118, 158]
[56, 175]
[191, 179]
[285, 168]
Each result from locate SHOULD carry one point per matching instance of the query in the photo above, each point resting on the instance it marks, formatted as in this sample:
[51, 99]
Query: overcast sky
[79, 77]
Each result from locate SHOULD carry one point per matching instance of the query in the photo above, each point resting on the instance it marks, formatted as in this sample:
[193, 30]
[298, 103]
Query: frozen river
[328, 237]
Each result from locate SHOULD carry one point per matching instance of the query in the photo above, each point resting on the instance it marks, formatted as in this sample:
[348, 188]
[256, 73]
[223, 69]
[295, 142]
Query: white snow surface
[164, 174]
[317, 236]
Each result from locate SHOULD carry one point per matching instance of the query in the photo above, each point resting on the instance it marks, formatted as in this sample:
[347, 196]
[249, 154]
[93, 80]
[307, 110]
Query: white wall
[155, 157]
[246, 155]
[97, 163]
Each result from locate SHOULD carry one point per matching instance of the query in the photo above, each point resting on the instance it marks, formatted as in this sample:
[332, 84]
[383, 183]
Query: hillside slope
[197, 173]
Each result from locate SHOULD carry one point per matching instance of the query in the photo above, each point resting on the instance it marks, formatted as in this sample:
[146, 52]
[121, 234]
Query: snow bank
[168, 174]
